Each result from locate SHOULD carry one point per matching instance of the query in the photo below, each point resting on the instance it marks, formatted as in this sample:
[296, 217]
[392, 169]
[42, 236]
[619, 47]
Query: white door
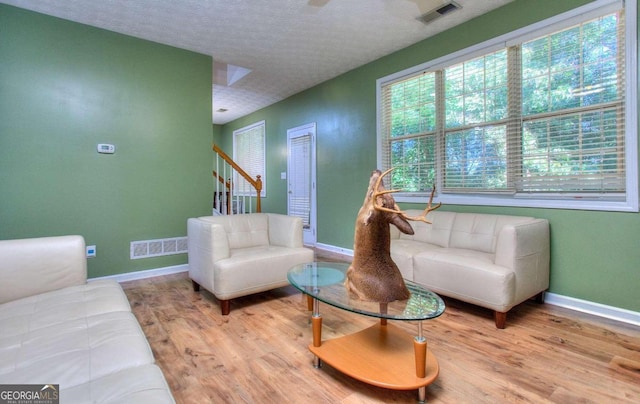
[301, 178]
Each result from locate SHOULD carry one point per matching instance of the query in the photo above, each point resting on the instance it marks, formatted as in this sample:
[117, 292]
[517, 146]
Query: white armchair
[238, 255]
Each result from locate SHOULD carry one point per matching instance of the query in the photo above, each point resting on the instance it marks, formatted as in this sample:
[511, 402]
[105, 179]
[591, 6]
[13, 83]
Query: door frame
[311, 235]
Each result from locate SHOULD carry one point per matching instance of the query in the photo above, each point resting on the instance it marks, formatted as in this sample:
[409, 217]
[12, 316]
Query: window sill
[523, 201]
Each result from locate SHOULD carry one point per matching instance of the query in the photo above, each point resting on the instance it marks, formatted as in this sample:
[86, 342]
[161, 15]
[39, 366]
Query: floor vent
[158, 248]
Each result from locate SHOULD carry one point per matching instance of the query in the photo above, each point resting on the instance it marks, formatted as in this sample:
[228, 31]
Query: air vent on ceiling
[158, 248]
[447, 8]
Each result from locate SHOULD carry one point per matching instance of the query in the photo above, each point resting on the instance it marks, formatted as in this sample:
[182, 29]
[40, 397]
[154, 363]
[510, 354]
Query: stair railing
[231, 182]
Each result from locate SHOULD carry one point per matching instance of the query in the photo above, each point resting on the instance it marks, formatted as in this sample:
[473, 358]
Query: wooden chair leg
[196, 286]
[225, 307]
[500, 318]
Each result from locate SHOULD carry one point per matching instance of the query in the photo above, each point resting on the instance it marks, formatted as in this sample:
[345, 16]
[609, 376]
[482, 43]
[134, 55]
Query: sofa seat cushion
[256, 269]
[140, 384]
[74, 352]
[76, 302]
[467, 275]
[402, 253]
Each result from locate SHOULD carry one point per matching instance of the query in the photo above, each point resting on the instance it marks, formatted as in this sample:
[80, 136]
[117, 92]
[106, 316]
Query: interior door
[301, 178]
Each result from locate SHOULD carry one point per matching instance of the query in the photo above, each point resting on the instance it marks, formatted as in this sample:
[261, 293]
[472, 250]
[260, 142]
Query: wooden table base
[381, 355]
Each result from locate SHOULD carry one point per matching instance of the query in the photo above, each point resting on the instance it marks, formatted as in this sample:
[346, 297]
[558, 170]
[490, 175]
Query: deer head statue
[373, 275]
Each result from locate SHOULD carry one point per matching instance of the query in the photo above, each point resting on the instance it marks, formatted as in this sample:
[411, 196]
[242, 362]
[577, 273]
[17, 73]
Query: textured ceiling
[288, 45]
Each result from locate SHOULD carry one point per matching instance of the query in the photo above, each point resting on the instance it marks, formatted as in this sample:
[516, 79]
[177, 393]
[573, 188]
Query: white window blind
[475, 136]
[573, 98]
[410, 130]
[249, 154]
[542, 118]
[300, 188]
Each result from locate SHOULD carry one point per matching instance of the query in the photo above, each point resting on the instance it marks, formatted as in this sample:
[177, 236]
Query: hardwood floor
[259, 354]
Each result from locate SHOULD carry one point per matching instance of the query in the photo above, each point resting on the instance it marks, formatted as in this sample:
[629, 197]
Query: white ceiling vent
[446, 8]
[158, 248]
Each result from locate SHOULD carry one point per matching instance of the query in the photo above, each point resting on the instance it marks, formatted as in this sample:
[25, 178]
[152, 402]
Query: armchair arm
[32, 266]
[285, 231]
[525, 248]
[207, 243]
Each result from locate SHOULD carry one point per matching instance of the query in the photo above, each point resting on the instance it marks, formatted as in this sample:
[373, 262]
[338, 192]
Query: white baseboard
[334, 249]
[597, 309]
[584, 306]
[149, 273]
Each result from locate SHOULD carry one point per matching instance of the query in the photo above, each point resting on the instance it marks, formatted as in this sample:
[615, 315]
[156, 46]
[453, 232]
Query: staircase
[234, 191]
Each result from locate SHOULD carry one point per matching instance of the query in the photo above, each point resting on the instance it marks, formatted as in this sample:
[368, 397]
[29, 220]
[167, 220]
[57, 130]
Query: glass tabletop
[325, 281]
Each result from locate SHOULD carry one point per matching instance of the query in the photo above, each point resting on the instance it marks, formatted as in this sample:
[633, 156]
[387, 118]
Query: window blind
[540, 117]
[573, 98]
[475, 136]
[410, 132]
[300, 188]
[249, 154]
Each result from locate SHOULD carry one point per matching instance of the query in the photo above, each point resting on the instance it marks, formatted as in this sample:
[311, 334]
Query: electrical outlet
[91, 251]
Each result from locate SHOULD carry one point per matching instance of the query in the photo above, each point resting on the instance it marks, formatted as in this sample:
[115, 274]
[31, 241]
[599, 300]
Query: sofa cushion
[256, 269]
[140, 384]
[74, 352]
[31, 313]
[467, 275]
[37, 265]
[243, 231]
[475, 232]
[403, 251]
[437, 233]
[480, 231]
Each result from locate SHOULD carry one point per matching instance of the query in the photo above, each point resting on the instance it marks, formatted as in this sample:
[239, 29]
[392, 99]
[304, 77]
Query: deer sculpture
[373, 276]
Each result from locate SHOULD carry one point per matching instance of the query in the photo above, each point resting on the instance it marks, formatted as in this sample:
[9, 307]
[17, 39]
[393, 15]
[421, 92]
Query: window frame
[545, 27]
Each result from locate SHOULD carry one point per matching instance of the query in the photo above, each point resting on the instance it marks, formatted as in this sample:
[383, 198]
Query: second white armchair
[238, 255]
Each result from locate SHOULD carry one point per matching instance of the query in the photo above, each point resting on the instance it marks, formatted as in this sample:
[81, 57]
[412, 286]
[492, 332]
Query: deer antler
[421, 218]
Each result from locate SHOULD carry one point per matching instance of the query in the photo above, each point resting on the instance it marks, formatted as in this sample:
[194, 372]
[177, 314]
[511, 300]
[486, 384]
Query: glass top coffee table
[382, 355]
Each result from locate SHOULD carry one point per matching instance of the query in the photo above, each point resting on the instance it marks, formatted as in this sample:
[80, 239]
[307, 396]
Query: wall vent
[158, 248]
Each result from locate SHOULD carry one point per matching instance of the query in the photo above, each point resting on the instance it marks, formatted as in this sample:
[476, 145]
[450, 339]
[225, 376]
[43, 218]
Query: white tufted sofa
[55, 328]
[237, 255]
[493, 261]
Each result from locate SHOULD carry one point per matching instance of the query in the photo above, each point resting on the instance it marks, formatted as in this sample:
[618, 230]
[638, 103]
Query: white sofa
[55, 328]
[237, 255]
[493, 261]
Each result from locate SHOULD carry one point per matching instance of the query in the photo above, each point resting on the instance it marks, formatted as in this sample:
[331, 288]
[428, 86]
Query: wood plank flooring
[259, 354]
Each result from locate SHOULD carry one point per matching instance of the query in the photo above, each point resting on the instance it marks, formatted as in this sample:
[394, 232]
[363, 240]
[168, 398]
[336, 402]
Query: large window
[534, 118]
[249, 154]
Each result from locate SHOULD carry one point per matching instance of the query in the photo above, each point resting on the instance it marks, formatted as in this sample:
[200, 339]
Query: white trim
[334, 249]
[310, 235]
[149, 273]
[631, 94]
[596, 309]
[628, 205]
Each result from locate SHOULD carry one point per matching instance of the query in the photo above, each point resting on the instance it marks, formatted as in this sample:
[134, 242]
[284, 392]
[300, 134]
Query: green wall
[64, 88]
[595, 255]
